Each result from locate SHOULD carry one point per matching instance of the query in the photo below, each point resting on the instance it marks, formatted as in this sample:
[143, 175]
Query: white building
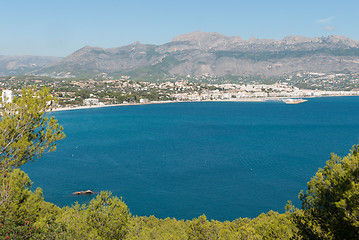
[91, 101]
[6, 96]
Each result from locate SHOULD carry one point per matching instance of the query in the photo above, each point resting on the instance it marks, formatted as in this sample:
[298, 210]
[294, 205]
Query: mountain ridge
[23, 64]
[211, 54]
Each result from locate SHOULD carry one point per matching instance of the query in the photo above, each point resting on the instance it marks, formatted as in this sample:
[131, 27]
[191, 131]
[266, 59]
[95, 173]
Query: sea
[226, 160]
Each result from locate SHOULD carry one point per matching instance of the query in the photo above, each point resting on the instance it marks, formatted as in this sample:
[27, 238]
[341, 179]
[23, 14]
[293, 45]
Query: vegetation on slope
[330, 206]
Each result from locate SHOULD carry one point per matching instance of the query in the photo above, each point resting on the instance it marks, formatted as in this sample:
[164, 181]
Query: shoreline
[163, 102]
[150, 103]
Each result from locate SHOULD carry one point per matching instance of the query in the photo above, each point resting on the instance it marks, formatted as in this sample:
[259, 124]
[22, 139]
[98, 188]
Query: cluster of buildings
[113, 91]
[256, 91]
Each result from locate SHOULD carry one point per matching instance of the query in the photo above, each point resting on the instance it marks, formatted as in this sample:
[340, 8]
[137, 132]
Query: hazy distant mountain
[202, 53]
[22, 64]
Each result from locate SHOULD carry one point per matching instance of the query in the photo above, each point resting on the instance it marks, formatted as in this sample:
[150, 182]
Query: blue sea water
[224, 159]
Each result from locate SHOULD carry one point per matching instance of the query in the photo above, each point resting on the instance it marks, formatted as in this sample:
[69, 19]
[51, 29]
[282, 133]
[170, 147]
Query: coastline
[163, 102]
[150, 103]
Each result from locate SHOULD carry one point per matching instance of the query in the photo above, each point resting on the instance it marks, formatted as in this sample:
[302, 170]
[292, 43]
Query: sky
[60, 27]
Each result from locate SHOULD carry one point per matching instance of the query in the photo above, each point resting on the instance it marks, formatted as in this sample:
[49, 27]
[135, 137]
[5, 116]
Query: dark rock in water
[83, 192]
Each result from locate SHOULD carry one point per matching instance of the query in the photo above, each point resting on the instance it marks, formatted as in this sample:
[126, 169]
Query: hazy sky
[60, 27]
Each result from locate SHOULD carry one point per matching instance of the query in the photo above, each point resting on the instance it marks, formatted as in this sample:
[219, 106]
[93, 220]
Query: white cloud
[325, 20]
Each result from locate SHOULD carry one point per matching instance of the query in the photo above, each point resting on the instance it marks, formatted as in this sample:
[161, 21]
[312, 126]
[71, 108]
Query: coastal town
[73, 93]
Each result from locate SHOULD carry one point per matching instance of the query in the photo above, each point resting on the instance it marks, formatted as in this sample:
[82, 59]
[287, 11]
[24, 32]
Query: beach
[154, 102]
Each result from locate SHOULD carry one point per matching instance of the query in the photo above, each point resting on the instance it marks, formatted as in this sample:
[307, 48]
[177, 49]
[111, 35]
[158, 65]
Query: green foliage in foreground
[27, 216]
[330, 211]
[331, 203]
[330, 206]
[25, 130]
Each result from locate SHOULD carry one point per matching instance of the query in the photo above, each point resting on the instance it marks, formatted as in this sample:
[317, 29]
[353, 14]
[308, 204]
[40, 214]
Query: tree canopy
[331, 203]
[26, 131]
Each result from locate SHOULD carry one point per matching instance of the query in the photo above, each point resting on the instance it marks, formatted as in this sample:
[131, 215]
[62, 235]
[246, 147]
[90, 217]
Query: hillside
[23, 64]
[212, 54]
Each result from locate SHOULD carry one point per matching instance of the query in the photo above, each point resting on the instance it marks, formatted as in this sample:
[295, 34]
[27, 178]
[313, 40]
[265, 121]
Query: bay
[223, 159]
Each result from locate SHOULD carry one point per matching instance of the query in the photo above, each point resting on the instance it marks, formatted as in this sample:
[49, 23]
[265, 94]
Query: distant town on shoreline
[75, 93]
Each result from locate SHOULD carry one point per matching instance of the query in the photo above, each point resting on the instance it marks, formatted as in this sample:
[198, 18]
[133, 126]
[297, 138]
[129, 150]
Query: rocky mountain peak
[84, 50]
[204, 53]
[199, 36]
[344, 40]
[330, 40]
[295, 39]
[204, 40]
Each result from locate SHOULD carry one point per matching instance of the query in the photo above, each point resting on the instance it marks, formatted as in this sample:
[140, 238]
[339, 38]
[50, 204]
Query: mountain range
[197, 54]
[23, 64]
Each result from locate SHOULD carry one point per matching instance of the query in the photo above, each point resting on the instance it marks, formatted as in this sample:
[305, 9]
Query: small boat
[294, 101]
